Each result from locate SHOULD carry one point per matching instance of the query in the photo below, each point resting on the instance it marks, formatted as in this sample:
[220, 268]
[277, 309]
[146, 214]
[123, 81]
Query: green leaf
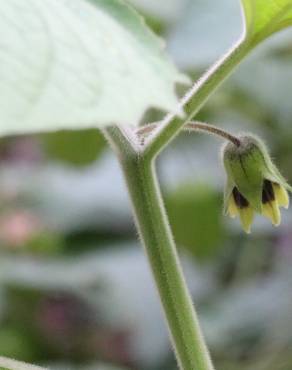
[77, 64]
[7, 364]
[194, 215]
[265, 17]
[79, 148]
[15, 342]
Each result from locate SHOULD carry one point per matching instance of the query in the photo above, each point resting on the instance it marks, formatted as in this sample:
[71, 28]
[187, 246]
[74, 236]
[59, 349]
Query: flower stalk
[194, 126]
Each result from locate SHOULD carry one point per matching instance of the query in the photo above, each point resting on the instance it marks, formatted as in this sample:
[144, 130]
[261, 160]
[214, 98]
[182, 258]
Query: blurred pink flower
[18, 227]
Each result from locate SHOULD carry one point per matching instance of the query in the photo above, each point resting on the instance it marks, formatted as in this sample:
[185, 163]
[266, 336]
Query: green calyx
[248, 165]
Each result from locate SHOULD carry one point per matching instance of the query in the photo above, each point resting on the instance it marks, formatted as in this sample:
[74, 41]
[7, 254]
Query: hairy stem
[155, 233]
[196, 97]
[137, 162]
[193, 126]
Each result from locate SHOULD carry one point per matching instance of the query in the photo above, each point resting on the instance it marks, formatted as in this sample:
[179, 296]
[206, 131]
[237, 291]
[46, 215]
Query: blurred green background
[75, 287]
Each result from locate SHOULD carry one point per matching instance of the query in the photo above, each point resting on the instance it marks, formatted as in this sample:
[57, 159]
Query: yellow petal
[271, 210]
[232, 207]
[281, 195]
[246, 217]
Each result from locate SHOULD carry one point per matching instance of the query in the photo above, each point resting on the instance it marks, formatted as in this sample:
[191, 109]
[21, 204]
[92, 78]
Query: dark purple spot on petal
[239, 199]
[268, 194]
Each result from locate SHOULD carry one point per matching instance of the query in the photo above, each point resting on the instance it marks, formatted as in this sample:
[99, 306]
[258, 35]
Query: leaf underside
[74, 64]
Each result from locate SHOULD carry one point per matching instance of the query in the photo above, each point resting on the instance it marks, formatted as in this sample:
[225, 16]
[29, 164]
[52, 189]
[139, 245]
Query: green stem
[196, 97]
[155, 233]
[137, 161]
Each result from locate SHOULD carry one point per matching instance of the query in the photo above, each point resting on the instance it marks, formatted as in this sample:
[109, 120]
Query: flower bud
[254, 184]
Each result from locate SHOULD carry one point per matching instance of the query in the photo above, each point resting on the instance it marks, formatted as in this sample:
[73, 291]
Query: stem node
[155, 233]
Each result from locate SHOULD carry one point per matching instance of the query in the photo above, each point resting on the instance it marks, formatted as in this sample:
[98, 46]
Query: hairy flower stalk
[254, 184]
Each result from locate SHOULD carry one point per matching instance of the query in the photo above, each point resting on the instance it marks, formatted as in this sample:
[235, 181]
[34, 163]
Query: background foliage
[75, 288]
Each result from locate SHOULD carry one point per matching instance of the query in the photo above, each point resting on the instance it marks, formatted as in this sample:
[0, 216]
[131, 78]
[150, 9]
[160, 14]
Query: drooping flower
[254, 184]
